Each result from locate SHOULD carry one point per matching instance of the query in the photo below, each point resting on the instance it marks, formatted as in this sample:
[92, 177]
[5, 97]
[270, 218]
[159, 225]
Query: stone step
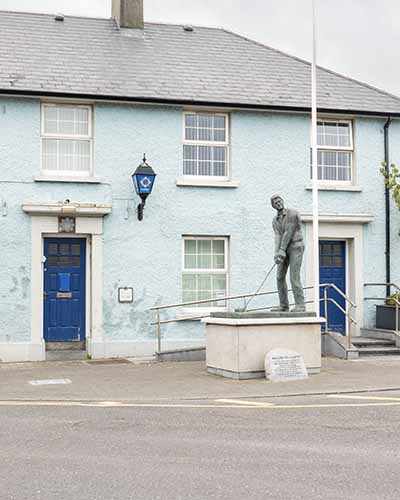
[378, 351]
[371, 342]
[66, 346]
[65, 355]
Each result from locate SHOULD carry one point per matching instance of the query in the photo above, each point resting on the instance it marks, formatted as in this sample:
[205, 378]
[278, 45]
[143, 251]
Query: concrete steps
[375, 346]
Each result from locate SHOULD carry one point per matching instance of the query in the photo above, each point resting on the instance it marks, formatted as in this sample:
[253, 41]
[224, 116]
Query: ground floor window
[205, 270]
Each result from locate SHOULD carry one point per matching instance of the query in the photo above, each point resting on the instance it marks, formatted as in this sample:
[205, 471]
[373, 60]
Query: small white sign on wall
[125, 294]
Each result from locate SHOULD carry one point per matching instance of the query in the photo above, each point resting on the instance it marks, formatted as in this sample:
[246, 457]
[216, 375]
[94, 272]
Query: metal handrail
[339, 291]
[326, 299]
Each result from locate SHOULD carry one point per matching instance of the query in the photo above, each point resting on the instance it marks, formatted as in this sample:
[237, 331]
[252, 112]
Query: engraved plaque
[283, 365]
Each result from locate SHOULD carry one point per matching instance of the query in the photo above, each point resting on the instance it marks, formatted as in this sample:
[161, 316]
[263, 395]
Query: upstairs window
[205, 270]
[66, 139]
[205, 144]
[335, 151]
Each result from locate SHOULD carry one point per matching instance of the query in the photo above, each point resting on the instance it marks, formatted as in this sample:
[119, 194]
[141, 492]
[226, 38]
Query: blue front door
[332, 269]
[64, 289]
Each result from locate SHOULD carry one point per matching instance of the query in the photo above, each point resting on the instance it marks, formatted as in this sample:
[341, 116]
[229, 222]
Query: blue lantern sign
[143, 180]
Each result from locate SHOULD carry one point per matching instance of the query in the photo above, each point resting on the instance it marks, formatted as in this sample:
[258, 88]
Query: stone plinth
[238, 342]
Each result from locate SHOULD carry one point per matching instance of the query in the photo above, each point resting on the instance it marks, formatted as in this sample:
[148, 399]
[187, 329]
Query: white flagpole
[315, 252]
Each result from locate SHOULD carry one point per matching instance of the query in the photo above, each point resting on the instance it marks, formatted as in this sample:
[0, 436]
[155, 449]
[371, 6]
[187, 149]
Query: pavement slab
[152, 381]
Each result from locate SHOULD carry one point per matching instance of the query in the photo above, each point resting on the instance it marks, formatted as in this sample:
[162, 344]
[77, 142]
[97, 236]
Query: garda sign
[145, 183]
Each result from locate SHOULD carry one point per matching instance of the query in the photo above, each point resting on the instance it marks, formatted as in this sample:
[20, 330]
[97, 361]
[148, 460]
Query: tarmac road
[299, 448]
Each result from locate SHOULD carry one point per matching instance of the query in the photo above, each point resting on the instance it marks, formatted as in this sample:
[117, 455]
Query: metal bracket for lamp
[140, 209]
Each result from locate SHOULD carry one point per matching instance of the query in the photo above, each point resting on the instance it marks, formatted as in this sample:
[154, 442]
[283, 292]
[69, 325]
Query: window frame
[327, 182]
[79, 137]
[225, 144]
[200, 309]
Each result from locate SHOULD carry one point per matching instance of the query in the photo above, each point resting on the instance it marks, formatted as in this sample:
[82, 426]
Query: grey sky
[358, 38]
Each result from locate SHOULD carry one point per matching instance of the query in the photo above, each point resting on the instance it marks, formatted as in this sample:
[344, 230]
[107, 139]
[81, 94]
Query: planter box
[386, 317]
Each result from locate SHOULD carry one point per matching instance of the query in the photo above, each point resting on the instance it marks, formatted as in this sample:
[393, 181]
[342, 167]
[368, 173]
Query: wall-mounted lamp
[143, 179]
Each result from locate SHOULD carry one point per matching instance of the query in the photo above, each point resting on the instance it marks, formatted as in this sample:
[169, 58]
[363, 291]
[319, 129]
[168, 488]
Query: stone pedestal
[237, 343]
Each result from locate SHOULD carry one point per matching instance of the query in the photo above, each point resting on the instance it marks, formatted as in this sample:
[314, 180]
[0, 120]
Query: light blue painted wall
[269, 153]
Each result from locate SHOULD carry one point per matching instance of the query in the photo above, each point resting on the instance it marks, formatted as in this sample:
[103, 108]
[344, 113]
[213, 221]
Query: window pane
[50, 120]
[204, 262]
[75, 249]
[189, 160]
[64, 248]
[205, 160]
[53, 248]
[189, 282]
[219, 283]
[218, 262]
[333, 134]
[66, 120]
[189, 296]
[204, 282]
[218, 246]
[204, 246]
[334, 165]
[190, 246]
[190, 262]
[49, 154]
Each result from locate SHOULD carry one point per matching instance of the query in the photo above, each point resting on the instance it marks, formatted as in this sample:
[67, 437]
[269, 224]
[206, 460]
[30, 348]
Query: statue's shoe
[298, 309]
[279, 309]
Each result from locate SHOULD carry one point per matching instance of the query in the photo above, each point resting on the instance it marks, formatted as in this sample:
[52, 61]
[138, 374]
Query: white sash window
[205, 145]
[205, 270]
[66, 139]
[335, 151]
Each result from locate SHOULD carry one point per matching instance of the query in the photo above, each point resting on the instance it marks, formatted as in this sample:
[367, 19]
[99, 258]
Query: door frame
[88, 296]
[347, 243]
[91, 228]
[350, 231]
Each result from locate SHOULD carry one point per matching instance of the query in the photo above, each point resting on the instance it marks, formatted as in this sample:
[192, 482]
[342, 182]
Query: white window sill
[64, 178]
[336, 187]
[226, 183]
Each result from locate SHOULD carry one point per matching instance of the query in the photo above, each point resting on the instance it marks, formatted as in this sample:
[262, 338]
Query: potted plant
[386, 314]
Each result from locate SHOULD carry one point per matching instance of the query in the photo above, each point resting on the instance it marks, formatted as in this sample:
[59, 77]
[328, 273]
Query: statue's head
[277, 202]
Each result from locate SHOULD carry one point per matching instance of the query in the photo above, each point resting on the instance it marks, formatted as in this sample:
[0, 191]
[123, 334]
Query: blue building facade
[78, 265]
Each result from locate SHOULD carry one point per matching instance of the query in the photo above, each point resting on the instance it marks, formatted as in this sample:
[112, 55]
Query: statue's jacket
[287, 229]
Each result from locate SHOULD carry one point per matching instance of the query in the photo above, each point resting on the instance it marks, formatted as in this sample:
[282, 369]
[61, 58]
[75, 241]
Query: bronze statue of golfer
[289, 250]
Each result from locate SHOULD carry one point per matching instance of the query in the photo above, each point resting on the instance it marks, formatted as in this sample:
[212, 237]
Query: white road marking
[53, 381]
[121, 404]
[244, 403]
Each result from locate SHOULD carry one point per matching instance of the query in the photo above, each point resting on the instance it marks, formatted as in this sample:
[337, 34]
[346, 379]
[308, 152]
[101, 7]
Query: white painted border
[352, 233]
[90, 228]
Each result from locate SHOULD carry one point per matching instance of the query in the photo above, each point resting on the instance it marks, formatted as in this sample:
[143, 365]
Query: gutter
[188, 102]
[387, 204]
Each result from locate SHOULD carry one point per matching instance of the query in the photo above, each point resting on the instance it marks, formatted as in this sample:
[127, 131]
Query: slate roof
[92, 57]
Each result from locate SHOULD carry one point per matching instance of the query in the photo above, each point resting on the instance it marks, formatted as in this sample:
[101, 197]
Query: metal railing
[396, 301]
[325, 286]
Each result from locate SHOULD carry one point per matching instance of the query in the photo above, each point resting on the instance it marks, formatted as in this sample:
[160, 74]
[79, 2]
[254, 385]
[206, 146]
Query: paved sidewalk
[124, 380]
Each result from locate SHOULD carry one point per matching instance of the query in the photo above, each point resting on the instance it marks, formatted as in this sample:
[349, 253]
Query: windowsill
[336, 187]
[226, 183]
[64, 178]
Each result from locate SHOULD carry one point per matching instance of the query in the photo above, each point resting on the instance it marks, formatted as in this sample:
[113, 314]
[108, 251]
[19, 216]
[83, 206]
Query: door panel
[332, 262]
[64, 287]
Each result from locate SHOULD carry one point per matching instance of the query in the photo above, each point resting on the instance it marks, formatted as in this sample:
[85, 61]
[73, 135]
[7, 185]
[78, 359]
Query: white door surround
[89, 225]
[348, 228]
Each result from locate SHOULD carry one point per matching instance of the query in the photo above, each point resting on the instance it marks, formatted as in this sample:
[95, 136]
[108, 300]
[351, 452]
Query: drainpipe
[387, 203]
